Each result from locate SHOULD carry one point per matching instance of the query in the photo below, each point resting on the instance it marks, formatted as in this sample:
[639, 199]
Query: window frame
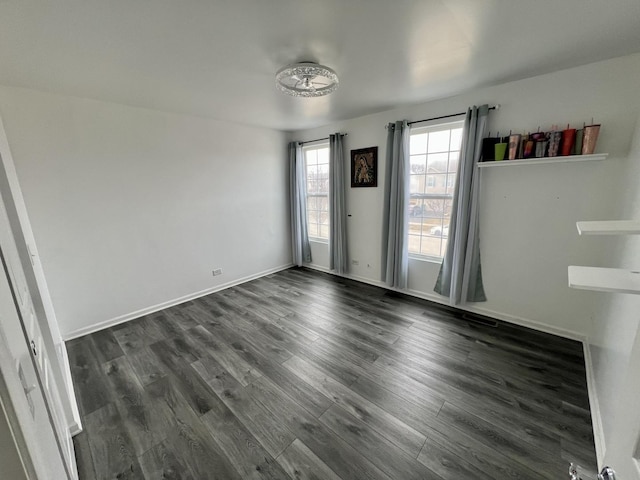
[318, 145]
[433, 127]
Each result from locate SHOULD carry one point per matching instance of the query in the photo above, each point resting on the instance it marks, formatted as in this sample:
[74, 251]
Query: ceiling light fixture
[306, 79]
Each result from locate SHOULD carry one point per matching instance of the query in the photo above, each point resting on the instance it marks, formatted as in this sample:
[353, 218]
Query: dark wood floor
[302, 375]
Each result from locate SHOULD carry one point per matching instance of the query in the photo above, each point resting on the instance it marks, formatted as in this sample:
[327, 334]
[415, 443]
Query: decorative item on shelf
[577, 147]
[540, 143]
[529, 147]
[568, 141]
[364, 167]
[501, 148]
[523, 140]
[554, 137]
[488, 148]
[306, 79]
[514, 144]
[590, 138]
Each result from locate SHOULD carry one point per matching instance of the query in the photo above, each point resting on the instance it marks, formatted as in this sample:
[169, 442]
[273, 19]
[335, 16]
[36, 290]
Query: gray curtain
[337, 209]
[460, 276]
[395, 257]
[298, 191]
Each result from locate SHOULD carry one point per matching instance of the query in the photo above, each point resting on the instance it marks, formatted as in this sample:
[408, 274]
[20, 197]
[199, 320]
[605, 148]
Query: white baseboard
[75, 428]
[161, 306]
[596, 418]
[523, 322]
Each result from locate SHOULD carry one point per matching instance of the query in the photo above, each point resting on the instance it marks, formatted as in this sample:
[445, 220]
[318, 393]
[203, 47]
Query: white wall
[132, 208]
[616, 334]
[528, 214]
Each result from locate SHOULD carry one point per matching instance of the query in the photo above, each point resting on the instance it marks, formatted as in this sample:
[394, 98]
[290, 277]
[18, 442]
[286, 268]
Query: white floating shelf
[605, 279]
[543, 160]
[609, 227]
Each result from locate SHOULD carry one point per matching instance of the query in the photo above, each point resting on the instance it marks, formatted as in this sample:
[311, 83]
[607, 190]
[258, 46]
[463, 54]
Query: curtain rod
[318, 139]
[496, 107]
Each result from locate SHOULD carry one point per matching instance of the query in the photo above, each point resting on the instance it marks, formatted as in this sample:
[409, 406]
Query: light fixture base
[306, 79]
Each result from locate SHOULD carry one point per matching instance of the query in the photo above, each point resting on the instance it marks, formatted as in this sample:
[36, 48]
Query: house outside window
[434, 153]
[316, 159]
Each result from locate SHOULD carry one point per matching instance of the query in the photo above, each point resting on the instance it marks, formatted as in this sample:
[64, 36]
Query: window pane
[414, 225]
[434, 208]
[323, 155]
[437, 162]
[311, 157]
[312, 176]
[451, 183]
[456, 138]
[448, 206]
[324, 231]
[418, 143]
[418, 163]
[414, 244]
[430, 246]
[416, 183]
[439, 141]
[453, 161]
[431, 225]
[416, 208]
[437, 183]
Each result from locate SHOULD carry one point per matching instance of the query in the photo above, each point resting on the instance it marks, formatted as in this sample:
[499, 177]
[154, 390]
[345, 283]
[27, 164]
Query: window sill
[426, 258]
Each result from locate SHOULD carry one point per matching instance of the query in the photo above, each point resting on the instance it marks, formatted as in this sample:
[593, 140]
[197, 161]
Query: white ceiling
[218, 58]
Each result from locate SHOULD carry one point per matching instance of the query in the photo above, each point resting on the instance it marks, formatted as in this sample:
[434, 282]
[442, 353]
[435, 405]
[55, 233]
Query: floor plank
[301, 463]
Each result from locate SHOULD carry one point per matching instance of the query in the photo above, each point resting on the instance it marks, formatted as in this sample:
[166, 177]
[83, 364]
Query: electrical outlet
[217, 271]
[355, 262]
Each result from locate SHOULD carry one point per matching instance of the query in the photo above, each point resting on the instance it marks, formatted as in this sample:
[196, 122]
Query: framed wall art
[364, 167]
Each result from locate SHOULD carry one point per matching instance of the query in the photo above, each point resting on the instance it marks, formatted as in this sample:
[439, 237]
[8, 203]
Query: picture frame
[364, 167]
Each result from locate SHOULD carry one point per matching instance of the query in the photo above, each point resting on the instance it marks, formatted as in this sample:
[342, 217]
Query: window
[316, 159]
[434, 152]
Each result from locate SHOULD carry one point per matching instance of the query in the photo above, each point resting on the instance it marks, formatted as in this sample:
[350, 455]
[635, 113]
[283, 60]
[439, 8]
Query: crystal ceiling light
[306, 79]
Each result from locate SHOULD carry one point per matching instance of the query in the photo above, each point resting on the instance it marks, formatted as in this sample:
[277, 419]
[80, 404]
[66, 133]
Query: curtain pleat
[337, 209]
[395, 257]
[301, 248]
[460, 276]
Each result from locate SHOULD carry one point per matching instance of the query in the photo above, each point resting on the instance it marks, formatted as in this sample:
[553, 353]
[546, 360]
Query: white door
[41, 300]
[22, 398]
[32, 338]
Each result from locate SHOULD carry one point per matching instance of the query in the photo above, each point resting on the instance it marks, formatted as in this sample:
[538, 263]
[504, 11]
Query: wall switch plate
[217, 271]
